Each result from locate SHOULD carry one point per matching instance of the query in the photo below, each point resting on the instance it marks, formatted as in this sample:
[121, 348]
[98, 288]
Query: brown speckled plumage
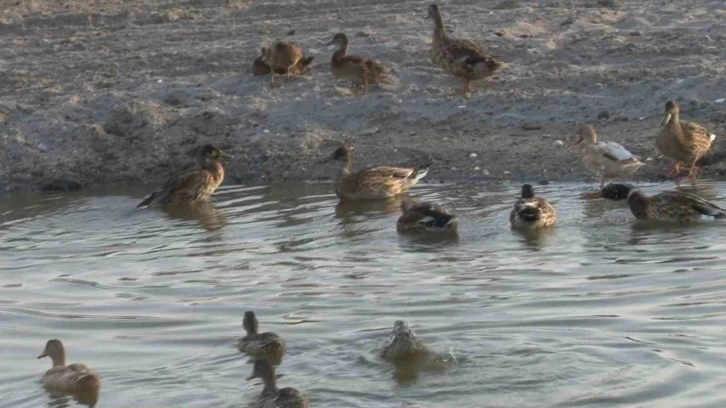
[403, 344]
[72, 378]
[685, 142]
[425, 217]
[271, 396]
[359, 70]
[268, 344]
[260, 67]
[532, 212]
[281, 56]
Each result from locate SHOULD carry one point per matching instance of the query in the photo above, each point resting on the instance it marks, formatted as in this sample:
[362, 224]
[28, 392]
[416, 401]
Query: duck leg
[272, 78]
[467, 86]
[602, 180]
[692, 170]
[289, 74]
[675, 171]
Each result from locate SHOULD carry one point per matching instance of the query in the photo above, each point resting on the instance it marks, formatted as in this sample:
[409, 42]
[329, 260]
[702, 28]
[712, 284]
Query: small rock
[603, 115]
[266, 131]
[476, 168]
[61, 185]
[291, 32]
[559, 143]
[370, 131]
[720, 100]
[543, 182]
[364, 33]
[506, 171]
[531, 126]
[472, 155]
[485, 172]
[635, 33]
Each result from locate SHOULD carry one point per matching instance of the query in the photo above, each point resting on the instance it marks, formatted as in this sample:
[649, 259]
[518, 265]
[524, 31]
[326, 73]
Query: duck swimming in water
[425, 217]
[72, 378]
[191, 186]
[267, 344]
[271, 396]
[532, 212]
[403, 344]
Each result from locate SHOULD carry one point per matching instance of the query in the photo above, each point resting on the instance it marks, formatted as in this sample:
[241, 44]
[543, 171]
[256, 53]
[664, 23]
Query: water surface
[600, 312]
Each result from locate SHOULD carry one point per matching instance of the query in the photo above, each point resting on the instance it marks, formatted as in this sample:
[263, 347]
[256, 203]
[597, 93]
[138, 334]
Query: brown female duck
[259, 67]
[271, 396]
[254, 343]
[403, 344]
[73, 378]
[671, 206]
[461, 58]
[532, 212]
[685, 142]
[372, 183]
[281, 56]
[359, 70]
[425, 217]
[191, 186]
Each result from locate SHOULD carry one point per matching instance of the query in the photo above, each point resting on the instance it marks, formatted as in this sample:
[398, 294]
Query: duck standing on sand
[670, 206]
[281, 56]
[425, 217]
[532, 212]
[359, 70]
[74, 378]
[685, 142]
[271, 396]
[259, 67]
[191, 186]
[461, 58]
[372, 183]
[608, 160]
[267, 344]
[403, 344]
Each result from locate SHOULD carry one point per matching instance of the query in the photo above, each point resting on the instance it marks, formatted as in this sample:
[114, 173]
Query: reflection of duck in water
[75, 379]
[425, 217]
[209, 217]
[191, 186]
[532, 212]
[268, 344]
[271, 396]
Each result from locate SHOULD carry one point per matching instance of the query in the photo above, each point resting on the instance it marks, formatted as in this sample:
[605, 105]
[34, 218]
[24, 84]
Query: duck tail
[88, 382]
[419, 174]
[146, 201]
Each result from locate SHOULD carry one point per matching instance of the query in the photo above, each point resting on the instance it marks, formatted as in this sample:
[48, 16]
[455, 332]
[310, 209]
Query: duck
[425, 217]
[359, 70]
[372, 183]
[192, 186]
[72, 378]
[461, 58]
[271, 396]
[403, 344]
[282, 56]
[685, 142]
[668, 206]
[608, 160]
[254, 343]
[532, 212]
[259, 67]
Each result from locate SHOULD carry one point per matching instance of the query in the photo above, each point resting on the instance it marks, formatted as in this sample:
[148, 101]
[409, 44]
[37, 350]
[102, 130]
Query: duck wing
[185, 183]
[462, 49]
[679, 199]
[387, 172]
[613, 151]
[289, 397]
[696, 131]
[428, 215]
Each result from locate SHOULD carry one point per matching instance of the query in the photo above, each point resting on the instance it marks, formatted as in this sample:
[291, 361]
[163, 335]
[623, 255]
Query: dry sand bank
[93, 92]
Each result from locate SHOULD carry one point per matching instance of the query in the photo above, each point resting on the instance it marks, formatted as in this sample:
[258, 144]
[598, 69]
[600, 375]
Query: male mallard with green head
[461, 58]
[608, 160]
[671, 206]
[532, 212]
[191, 186]
[403, 344]
[425, 217]
[372, 183]
[271, 396]
[685, 142]
[359, 70]
[255, 343]
[72, 378]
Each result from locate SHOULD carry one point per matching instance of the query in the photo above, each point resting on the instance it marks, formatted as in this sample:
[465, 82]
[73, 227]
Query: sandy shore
[100, 93]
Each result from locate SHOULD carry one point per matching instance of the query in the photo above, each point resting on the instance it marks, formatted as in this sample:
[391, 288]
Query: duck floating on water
[670, 206]
[73, 378]
[359, 70]
[685, 142]
[191, 186]
[378, 182]
[532, 212]
[608, 160]
[403, 344]
[271, 396]
[267, 344]
[425, 217]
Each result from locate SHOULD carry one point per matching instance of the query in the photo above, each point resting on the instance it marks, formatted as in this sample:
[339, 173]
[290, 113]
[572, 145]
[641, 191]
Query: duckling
[73, 378]
[373, 182]
[191, 186]
[425, 217]
[259, 67]
[609, 160]
[271, 396]
[282, 55]
[260, 344]
[403, 344]
[461, 58]
[532, 212]
[359, 70]
[685, 142]
[670, 206]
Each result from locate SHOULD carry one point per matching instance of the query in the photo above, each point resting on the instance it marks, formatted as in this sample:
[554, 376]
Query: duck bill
[666, 119]
[225, 155]
[252, 377]
[41, 355]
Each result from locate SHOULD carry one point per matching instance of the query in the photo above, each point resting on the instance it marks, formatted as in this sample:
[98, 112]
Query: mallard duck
[373, 182]
[282, 56]
[685, 142]
[73, 378]
[254, 343]
[403, 344]
[271, 396]
[461, 58]
[672, 206]
[425, 217]
[259, 67]
[191, 186]
[532, 212]
[359, 70]
[608, 160]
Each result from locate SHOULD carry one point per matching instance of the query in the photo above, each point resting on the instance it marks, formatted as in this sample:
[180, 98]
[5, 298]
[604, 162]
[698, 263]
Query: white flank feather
[614, 149]
[712, 136]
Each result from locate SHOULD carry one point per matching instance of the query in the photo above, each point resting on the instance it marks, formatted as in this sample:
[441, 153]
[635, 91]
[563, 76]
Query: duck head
[617, 192]
[338, 40]
[54, 349]
[210, 152]
[262, 369]
[527, 191]
[671, 111]
[250, 323]
[343, 153]
[432, 11]
[586, 136]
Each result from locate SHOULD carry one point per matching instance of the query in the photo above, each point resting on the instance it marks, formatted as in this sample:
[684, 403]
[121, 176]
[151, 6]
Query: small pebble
[266, 131]
[472, 155]
[476, 167]
[506, 171]
[291, 32]
[559, 142]
[485, 172]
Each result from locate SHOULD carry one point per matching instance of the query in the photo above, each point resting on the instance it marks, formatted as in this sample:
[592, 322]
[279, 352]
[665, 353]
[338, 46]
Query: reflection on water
[597, 311]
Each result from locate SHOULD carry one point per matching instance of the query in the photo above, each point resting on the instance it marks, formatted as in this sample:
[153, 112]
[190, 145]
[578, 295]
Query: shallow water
[600, 312]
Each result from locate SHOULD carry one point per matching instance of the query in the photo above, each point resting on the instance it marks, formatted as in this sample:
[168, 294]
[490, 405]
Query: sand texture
[103, 92]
